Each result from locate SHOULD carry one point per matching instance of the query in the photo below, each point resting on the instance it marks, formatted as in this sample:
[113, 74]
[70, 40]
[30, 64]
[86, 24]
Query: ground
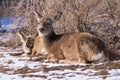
[22, 68]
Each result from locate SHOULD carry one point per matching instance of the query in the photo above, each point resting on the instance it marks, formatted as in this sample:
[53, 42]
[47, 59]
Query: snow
[18, 62]
[113, 78]
[5, 37]
[114, 72]
[67, 74]
[9, 28]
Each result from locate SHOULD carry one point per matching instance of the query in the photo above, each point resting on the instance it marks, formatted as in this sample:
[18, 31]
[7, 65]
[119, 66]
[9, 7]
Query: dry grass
[14, 41]
[82, 16]
[99, 17]
[1, 43]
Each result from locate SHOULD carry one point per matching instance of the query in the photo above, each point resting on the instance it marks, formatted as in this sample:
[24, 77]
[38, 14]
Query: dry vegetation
[14, 41]
[11, 68]
[99, 17]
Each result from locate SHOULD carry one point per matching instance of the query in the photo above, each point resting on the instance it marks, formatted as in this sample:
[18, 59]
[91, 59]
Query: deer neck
[50, 39]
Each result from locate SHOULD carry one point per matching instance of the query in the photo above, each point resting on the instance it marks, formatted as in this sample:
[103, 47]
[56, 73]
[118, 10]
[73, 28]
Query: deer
[31, 43]
[39, 48]
[27, 39]
[73, 47]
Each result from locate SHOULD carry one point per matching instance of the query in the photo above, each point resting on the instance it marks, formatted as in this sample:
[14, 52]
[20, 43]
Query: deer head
[44, 26]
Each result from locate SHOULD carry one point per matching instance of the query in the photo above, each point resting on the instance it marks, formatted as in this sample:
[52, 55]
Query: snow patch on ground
[21, 68]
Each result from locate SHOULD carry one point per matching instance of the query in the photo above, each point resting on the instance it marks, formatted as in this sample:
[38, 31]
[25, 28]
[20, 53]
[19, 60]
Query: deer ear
[38, 16]
[57, 16]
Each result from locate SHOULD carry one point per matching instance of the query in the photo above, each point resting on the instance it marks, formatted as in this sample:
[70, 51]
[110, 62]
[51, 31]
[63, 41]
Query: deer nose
[41, 29]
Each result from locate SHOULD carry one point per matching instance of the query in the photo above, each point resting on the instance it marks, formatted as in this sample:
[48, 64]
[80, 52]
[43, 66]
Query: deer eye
[46, 25]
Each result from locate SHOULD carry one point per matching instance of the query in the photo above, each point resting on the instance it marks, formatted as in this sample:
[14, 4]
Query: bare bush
[14, 41]
[99, 17]
[1, 43]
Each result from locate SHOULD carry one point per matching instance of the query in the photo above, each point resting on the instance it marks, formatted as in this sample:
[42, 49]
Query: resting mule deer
[39, 47]
[74, 47]
[27, 38]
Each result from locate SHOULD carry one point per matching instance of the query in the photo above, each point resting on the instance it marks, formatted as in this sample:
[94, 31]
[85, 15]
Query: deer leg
[51, 57]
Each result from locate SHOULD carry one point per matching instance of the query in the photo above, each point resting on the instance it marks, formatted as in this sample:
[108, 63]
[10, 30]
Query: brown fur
[39, 47]
[35, 49]
[27, 38]
[76, 47]
[70, 47]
